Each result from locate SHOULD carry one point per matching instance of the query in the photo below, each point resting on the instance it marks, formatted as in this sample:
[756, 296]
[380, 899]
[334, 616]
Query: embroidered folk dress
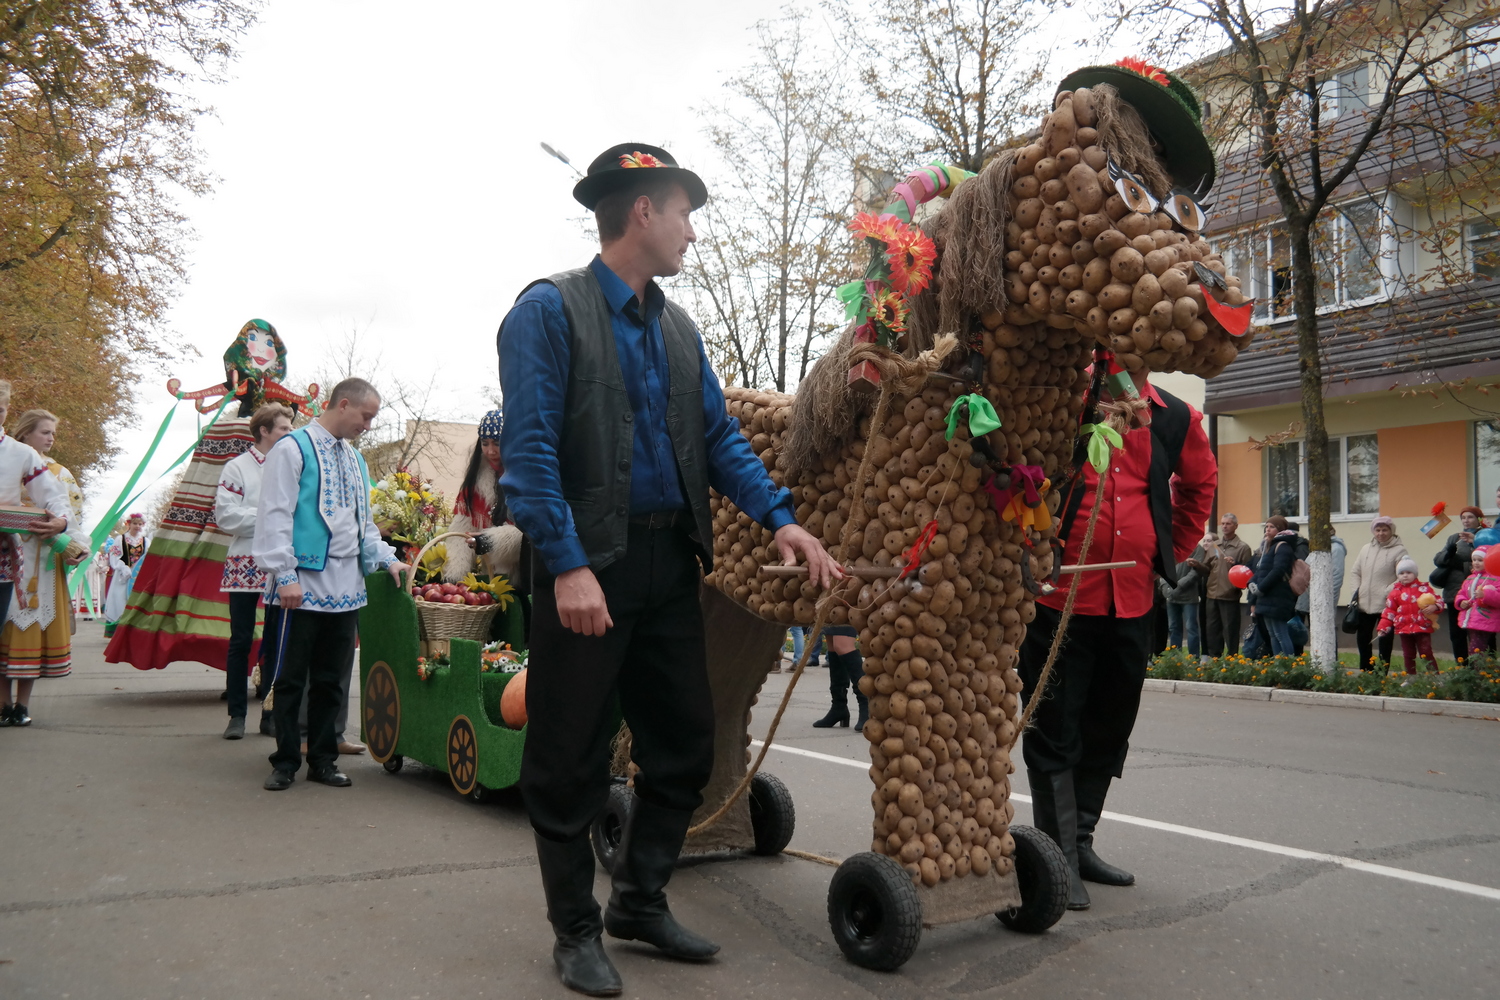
[36, 640]
[235, 503]
[343, 495]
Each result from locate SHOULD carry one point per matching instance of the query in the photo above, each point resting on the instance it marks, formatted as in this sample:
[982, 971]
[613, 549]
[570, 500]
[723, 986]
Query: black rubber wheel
[463, 756]
[608, 828]
[393, 764]
[1042, 871]
[773, 818]
[482, 794]
[382, 712]
[874, 912]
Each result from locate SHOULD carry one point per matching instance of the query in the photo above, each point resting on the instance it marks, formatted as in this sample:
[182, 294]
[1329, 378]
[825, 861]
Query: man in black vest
[615, 430]
[1157, 498]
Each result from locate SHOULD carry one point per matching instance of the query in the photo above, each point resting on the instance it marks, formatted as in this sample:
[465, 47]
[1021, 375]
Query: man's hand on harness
[793, 540]
[580, 602]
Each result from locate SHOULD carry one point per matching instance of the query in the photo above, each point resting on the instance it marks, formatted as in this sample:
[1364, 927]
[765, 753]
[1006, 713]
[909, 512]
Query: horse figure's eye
[1188, 213]
[1135, 194]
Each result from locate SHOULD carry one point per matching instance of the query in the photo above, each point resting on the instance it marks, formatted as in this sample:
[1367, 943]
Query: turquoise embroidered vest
[311, 534]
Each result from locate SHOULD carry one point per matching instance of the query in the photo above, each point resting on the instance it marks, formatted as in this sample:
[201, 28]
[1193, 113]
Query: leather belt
[660, 519]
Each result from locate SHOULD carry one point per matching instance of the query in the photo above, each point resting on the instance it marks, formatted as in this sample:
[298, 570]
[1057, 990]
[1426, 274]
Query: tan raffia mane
[1124, 136]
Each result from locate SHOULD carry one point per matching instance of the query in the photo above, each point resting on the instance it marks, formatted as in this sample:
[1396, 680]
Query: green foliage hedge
[1477, 680]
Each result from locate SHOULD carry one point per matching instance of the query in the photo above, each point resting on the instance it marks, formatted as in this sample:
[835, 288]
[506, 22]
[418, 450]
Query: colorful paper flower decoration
[910, 256]
[901, 260]
[869, 226]
[639, 159]
[888, 309]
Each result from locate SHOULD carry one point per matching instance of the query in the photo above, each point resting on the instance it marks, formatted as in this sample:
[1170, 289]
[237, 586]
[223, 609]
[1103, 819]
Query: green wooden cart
[450, 721]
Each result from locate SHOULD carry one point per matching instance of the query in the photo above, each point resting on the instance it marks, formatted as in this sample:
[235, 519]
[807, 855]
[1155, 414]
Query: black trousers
[317, 648]
[1457, 636]
[653, 658]
[242, 609]
[1364, 640]
[1089, 707]
[1223, 634]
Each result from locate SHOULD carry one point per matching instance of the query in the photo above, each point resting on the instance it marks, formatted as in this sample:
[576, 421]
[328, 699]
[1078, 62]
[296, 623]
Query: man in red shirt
[1159, 494]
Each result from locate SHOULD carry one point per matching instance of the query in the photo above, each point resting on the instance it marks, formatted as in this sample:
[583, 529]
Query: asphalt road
[142, 859]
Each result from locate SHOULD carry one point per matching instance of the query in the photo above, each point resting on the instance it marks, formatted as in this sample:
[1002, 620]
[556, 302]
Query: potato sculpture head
[1079, 251]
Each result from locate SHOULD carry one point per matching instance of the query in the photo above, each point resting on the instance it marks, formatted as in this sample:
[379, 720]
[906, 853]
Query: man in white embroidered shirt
[316, 540]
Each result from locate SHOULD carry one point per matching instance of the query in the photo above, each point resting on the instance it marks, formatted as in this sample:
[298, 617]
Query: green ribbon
[852, 296]
[107, 523]
[1101, 438]
[982, 416]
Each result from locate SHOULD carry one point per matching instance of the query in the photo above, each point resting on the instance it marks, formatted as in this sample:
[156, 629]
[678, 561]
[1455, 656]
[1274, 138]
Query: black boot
[1055, 812]
[1091, 788]
[568, 881]
[638, 905]
[838, 715]
[854, 669]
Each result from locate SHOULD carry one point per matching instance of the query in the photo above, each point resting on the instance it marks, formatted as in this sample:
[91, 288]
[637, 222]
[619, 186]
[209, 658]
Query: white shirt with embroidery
[235, 503]
[26, 480]
[340, 585]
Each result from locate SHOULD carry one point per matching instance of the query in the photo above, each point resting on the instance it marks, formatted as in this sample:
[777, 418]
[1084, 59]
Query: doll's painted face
[260, 348]
[1407, 577]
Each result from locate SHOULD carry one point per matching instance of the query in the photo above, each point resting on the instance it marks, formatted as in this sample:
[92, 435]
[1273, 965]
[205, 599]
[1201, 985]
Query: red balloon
[1492, 561]
[1239, 576]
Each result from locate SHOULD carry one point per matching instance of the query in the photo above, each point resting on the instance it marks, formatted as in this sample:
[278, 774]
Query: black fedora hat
[619, 166]
[1170, 109]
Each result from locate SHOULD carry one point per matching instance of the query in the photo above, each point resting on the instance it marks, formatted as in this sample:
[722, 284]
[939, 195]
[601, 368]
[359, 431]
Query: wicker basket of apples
[452, 610]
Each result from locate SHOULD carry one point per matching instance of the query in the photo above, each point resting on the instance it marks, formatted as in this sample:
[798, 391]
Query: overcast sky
[379, 169]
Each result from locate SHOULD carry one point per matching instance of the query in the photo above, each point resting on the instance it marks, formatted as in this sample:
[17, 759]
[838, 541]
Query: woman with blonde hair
[36, 639]
[1374, 575]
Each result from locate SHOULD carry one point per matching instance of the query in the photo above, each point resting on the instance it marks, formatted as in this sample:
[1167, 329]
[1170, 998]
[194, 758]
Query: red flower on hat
[639, 159]
[1153, 73]
[910, 253]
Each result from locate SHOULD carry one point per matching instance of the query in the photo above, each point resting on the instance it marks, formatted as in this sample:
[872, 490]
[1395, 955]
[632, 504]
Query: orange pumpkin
[513, 701]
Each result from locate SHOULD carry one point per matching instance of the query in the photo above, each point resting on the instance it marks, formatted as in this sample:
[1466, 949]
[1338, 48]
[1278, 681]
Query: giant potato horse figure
[1062, 265]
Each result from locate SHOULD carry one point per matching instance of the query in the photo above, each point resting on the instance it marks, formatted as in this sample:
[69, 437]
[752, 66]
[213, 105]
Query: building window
[1483, 56]
[1353, 474]
[1482, 237]
[1487, 461]
[1345, 92]
[1347, 259]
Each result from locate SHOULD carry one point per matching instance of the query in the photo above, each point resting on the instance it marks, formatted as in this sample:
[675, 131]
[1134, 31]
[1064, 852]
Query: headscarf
[492, 424]
[1382, 519]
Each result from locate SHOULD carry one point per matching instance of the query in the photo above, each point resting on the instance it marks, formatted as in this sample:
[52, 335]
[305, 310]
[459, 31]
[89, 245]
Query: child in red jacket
[1413, 618]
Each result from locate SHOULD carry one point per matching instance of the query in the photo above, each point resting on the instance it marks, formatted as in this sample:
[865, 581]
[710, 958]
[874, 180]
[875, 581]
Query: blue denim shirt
[534, 363]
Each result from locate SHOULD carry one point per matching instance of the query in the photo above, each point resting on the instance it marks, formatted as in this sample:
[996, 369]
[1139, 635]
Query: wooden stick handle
[890, 572]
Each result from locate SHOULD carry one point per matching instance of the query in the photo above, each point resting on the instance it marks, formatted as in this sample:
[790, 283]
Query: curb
[1327, 699]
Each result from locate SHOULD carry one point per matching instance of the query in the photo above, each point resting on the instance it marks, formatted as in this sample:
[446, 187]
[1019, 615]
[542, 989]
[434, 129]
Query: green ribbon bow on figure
[1101, 438]
[982, 416]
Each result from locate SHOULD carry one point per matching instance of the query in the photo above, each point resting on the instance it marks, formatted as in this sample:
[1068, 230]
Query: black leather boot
[1055, 813]
[854, 669]
[638, 905]
[568, 881]
[1091, 788]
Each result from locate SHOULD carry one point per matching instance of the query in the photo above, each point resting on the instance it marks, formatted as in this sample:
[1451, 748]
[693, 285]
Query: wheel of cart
[1042, 871]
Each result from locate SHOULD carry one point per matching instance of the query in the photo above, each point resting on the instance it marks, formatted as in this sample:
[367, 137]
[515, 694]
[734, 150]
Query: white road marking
[1469, 888]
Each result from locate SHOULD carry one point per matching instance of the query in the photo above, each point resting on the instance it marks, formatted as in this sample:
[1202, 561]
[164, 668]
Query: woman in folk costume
[479, 511]
[125, 554]
[235, 503]
[32, 588]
